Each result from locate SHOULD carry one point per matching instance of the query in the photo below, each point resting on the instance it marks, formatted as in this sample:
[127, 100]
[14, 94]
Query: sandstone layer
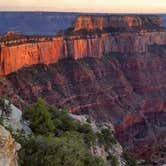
[127, 23]
[17, 51]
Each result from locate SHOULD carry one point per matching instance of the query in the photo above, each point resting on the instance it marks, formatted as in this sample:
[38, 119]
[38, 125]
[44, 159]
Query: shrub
[58, 140]
[40, 118]
[130, 161]
[106, 137]
[114, 161]
[67, 150]
[88, 134]
[62, 120]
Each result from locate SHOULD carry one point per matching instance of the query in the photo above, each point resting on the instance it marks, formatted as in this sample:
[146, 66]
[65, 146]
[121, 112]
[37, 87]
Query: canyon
[112, 68]
[132, 35]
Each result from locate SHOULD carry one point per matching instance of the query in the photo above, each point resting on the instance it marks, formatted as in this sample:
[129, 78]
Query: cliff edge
[17, 51]
[117, 23]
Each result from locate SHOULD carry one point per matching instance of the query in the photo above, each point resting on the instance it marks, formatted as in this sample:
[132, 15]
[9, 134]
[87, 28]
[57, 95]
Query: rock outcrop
[17, 51]
[115, 75]
[105, 23]
[8, 148]
[12, 118]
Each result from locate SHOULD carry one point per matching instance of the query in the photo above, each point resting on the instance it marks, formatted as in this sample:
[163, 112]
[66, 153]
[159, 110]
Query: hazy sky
[134, 6]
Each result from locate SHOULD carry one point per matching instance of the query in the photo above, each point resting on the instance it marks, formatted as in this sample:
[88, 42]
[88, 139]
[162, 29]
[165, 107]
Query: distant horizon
[82, 12]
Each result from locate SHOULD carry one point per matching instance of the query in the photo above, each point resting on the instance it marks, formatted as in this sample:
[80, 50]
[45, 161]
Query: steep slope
[115, 75]
[129, 92]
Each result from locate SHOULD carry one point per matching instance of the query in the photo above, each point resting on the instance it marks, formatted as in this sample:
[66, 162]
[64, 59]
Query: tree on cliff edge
[40, 118]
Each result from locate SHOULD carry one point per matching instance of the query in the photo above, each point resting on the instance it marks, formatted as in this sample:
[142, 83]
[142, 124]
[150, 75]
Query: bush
[88, 134]
[106, 137]
[40, 119]
[114, 161]
[58, 140]
[130, 161]
[62, 120]
[67, 150]
[1, 121]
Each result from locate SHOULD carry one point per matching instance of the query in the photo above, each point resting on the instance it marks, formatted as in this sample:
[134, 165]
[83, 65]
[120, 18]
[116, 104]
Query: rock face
[20, 51]
[111, 75]
[130, 92]
[102, 23]
[8, 149]
[12, 118]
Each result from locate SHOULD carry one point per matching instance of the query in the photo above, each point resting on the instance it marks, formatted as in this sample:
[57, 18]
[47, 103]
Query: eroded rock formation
[19, 51]
[130, 92]
[115, 75]
[127, 23]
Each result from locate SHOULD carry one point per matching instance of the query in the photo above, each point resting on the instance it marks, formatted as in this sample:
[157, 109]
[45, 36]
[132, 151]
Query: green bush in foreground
[106, 138]
[57, 139]
[130, 161]
[40, 118]
[67, 150]
[114, 161]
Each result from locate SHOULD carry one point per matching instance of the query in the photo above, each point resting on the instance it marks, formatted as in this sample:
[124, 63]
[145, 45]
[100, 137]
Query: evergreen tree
[40, 118]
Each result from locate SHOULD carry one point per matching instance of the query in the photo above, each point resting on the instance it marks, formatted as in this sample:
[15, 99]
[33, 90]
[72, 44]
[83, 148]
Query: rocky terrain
[8, 148]
[112, 68]
[14, 127]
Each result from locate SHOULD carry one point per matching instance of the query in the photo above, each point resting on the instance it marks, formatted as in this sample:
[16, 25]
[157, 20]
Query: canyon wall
[116, 22]
[18, 51]
[127, 90]
[115, 75]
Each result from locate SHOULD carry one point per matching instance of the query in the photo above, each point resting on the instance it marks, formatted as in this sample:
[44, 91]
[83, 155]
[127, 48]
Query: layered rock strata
[17, 51]
[115, 75]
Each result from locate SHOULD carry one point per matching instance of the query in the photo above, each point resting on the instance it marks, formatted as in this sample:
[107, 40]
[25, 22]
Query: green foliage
[67, 150]
[130, 161]
[62, 121]
[89, 120]
[58, 140]
[1, 121]
[114, 161]
[106, 137]
[40, 118]
[88, 134]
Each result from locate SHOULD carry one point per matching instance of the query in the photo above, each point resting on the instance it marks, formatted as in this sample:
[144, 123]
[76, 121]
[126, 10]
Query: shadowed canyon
[112, 68]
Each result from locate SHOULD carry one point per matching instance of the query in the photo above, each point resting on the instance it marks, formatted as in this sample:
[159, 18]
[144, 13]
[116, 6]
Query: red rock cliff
[126, 86]
[121, 22]
[18, 51]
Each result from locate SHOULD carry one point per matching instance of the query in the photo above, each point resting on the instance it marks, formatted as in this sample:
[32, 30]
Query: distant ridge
[43, 23]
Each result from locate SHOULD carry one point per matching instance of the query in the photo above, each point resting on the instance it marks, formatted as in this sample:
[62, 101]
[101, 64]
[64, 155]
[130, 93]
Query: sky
[103, 6]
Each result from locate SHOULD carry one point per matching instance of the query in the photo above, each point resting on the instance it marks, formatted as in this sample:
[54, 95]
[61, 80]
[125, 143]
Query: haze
[110, 6]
